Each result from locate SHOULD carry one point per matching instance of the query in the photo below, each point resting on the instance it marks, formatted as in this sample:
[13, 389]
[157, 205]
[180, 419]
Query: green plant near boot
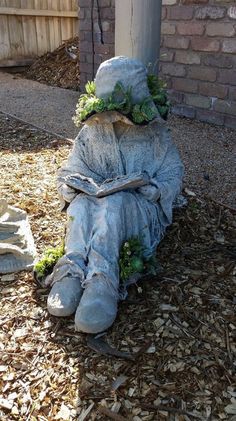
[50, 257]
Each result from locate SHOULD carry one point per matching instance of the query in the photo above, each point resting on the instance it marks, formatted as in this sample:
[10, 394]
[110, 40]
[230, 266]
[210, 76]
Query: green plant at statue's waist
[132, 260]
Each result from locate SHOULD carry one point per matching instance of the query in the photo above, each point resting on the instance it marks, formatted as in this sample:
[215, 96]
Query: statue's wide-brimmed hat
[120, 91]
[130, 72]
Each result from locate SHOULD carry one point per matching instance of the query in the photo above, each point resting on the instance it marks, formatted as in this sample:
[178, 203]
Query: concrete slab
[44, 106]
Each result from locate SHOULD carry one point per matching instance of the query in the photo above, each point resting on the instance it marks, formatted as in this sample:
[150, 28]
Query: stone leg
[117, 218]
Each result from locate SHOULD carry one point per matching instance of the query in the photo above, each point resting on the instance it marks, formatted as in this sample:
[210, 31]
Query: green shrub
[50, 257]
[132, 260]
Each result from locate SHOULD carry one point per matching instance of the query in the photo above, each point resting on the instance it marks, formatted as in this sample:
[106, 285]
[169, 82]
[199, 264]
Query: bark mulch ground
[58, 68]
[179, 327]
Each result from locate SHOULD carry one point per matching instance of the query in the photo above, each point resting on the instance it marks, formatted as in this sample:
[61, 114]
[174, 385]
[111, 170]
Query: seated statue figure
[119, 182]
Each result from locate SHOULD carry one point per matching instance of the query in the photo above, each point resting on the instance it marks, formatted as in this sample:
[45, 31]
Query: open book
[88, 186]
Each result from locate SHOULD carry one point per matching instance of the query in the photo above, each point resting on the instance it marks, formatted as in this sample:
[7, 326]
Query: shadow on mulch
[179, 325]
[20, 137]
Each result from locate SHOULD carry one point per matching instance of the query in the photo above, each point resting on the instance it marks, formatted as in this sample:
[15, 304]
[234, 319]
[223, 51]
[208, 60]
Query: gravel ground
[208, 151]
[46, 107]
[179, 327]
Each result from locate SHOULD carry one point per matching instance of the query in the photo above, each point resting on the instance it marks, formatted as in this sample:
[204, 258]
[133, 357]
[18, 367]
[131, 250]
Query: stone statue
[120, 181]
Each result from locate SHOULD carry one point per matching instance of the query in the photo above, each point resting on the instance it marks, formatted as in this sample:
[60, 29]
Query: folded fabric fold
[17, 249]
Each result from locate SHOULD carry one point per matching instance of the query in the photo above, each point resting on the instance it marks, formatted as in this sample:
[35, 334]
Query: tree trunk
[138, 28]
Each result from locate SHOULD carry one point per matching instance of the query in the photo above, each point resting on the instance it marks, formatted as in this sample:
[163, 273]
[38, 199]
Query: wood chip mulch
[179, 327]
[58, 68]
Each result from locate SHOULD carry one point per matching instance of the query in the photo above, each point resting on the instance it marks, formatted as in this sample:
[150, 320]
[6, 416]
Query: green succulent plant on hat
[121, 100]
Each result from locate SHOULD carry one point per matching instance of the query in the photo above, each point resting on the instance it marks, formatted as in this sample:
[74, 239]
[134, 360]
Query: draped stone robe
[97, 227]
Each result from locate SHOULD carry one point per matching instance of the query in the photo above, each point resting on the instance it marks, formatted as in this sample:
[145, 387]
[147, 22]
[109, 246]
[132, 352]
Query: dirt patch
[59, 68]
[180, 326]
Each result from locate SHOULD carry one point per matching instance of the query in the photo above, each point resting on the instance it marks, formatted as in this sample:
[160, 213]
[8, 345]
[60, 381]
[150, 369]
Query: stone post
[137, 30]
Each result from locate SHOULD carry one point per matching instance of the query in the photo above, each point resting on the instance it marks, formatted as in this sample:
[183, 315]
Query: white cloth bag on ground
[17, 249]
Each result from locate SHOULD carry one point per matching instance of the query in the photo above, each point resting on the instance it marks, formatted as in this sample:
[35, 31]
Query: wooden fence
[30, 28]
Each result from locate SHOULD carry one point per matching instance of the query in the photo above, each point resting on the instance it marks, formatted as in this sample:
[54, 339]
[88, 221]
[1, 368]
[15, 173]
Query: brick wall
[96, 35]
[198, 58]
[198, 53]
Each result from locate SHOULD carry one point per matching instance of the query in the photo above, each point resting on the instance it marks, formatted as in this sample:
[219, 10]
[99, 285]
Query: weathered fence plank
[29, 28]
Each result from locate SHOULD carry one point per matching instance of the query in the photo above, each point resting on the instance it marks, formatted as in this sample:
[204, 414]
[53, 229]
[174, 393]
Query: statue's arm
[168, 178]
[75, 164]
[166, 182]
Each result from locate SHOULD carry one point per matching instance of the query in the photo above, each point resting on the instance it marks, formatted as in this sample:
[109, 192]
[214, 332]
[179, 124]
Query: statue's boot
[98, 306]
[65, 296]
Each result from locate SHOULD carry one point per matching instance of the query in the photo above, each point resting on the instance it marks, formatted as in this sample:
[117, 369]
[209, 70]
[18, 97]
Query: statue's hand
[68, 193]
[150, 192]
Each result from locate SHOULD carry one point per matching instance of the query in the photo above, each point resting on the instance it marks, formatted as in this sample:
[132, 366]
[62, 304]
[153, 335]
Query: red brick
[163, 13]
[218, 60]
[220, 29]
[210, 12]
[84, 79]
[86, 68]
[205, 44]
[107, 26]
[87, 11]
[232, 93]
[187, 57]
[83, 57]
[202, 73]
[85, 25]
[85, 47]
[183, 111]
[175, 97]
[230, 122]
[108, 37]
[101, 48]
[187, 2]
[210, 117]
[213, 90]
[227, 76]
[177, 43]
[81, 36]
[229, 46]
[104, 3]
[173, 69]
[185, 85]
[180, 12]
[198, 101]
[98, 58]
[81, 13]
[86, 57]
[167, 79]
[107, 13]
[190, 28]
[85, 3]
[166, 55]
[168, 28]
[226, 107]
